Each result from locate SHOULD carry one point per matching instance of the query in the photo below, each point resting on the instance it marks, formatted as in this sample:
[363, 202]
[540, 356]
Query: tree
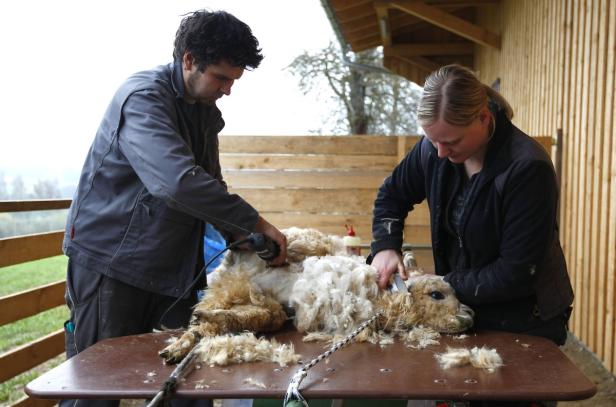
[18, 189]
[367, 99]
[44, 189]
[4, 193]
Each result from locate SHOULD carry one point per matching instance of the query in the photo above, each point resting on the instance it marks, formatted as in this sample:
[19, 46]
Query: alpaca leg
[176, 351]
[220, 321]
[247, 317]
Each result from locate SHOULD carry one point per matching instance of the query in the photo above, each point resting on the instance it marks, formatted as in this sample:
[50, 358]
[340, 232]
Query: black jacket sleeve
[403, 189]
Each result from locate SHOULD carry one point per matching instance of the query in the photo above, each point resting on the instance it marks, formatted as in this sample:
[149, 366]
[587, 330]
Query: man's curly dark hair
[213, 37]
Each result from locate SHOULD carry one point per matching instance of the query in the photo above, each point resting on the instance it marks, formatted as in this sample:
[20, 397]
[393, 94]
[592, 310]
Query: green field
[18, 278]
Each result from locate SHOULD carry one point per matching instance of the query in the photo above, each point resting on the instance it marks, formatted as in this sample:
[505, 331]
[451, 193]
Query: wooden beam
[423, 49]
[421, 62]
[15, 250]
[32, 354]
[447, 22]
[27, 303]
[367, 43]
[365, 39]
[382, 17]
[396, 21]
[34, 205]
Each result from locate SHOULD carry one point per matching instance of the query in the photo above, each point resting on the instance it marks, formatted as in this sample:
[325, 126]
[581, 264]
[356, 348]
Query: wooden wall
[556, 68]
[321, 182]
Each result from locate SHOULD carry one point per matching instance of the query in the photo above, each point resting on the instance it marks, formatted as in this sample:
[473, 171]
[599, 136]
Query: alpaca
[329, 291]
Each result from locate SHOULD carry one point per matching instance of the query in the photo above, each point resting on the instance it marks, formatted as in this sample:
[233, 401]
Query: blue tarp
[214, 243]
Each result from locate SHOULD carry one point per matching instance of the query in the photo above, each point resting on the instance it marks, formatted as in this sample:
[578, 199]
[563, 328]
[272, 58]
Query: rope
[293, 396]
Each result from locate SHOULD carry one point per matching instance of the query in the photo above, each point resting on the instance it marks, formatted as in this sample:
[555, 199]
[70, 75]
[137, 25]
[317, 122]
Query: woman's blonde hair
[455, 94]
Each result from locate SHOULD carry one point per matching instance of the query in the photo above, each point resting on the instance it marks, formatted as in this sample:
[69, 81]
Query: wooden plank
[241, 161]
[343, 201]
[463, 3]
[419, 216]
[27, 303]
[348, 145]
[32, 354]
[340, 5]
[424, 49]
[601, 186]
[609, 202]
[583, 250]
[417, 234]
[407, 144]
[32, 402]
[448, 22]
[305, 179]
[574, 264]
[565, 185]
[34, 205]
[15, 250]
[593, 135]
[350, 14]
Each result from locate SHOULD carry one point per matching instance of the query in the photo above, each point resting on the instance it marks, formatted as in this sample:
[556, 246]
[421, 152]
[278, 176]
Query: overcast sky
[61, 62]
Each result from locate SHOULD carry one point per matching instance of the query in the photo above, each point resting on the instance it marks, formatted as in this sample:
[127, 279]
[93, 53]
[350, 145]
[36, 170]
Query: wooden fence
[323, 182]
[21, 305]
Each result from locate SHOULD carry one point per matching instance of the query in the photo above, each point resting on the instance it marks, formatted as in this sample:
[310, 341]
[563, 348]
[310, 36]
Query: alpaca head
[436, 305]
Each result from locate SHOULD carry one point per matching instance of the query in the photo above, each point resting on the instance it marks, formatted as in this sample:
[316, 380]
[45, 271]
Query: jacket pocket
[157, 236]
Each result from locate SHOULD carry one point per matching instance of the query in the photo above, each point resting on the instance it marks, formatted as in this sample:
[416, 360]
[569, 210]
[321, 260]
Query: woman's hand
[386, 263]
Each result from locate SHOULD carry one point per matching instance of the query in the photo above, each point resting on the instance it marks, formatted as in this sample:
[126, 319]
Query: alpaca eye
[437, 295]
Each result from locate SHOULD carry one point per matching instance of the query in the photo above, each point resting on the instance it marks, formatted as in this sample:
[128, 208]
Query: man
[152, 177]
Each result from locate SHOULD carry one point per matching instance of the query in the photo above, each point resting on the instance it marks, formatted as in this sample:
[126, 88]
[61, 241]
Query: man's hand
[386, 263]
[270, 231]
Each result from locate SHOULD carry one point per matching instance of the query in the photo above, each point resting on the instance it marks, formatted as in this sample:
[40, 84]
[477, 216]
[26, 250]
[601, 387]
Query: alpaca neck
[398, 311]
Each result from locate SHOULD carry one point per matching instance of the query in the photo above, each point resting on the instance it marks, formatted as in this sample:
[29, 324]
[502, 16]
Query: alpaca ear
[410, 264]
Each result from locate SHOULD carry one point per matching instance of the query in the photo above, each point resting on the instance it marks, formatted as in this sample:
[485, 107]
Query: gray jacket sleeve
[149, 139]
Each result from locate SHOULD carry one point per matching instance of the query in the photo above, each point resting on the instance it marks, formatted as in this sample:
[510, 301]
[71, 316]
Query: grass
[34, 273]
[18, 278]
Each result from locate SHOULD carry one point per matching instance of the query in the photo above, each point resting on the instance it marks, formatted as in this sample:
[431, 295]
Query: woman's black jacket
[511, 269]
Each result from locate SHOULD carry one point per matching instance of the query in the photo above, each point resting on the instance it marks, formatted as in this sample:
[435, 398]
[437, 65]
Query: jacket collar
[177, 78]
[498, 154]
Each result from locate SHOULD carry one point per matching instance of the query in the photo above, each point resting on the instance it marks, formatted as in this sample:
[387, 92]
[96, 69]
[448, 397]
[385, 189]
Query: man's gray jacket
[150, 179]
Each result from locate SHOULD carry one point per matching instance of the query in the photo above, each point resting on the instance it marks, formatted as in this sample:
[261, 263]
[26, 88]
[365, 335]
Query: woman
[493, 199]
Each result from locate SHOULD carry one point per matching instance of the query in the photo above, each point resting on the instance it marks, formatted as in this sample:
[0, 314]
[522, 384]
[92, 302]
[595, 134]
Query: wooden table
[129, 367]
